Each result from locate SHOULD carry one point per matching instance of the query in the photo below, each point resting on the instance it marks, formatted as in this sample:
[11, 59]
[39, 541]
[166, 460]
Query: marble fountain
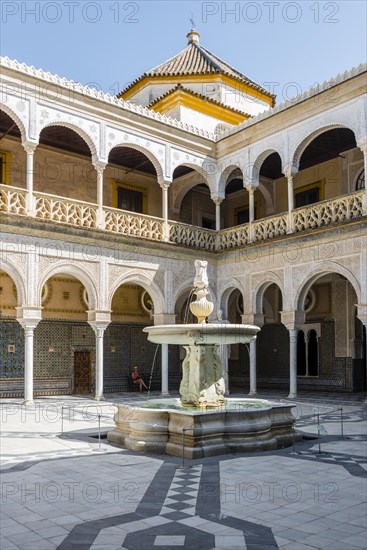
[202, 422]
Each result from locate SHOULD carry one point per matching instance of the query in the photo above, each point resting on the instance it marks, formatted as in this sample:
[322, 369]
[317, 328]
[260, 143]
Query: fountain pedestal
[202, 382]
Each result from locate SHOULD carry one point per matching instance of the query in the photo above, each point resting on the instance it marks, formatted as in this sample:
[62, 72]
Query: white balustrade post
[289, 172]
[30, 149]
[293, 332]
[100, 213]
[253, 384]
[165, 187]
[164, 388]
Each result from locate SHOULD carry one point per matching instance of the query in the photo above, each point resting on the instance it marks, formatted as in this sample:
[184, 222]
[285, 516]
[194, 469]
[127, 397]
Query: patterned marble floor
[65, 493]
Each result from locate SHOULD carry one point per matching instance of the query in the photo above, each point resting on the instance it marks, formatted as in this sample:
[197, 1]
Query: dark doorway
[313, 354]
[301, 354]
[82, 372]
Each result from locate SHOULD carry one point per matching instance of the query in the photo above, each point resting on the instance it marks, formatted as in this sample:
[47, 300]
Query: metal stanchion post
[99, 434]
[184, 430]
[341, 422]
[62, 419]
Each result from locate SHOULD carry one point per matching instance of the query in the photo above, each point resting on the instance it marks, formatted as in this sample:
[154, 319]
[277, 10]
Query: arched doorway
[11, 340]
[272, 341]
[330, 352]
[64, 342]
[125, 343]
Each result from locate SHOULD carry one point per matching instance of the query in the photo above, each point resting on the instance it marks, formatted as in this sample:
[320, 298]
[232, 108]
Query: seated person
[136, 376]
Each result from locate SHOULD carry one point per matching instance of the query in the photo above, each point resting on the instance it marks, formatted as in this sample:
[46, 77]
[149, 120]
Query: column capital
[164, 318]
[99, 166]
[217, 200]
[292, 319]
[362, 144]
[257, 319]
[290, 171]
[164, 184]
[99, 320]
[29, 316]
[29, 147]
[362, 313]
[251, 187]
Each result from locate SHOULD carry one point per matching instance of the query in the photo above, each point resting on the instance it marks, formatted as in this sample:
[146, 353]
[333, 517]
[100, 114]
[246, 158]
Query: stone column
[363, 147]
[217, 201]
[362, 316]
[164, 319]
[30, 149]
[292, 320]
[100, 213]
[99, 321]
[164, 388]
[251, 212]
[28, 317]
[165, 185]
[257, 320]
[289, 173]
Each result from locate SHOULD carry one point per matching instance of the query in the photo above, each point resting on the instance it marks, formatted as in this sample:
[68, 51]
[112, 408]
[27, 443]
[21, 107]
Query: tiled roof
[179, 87]
[196, 60]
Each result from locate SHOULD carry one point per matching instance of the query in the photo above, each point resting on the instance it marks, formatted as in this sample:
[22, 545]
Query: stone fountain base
[239, 426]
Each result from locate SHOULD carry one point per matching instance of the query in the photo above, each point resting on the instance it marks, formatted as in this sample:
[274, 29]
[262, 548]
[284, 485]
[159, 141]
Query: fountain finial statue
[201, 308]
[201, 277]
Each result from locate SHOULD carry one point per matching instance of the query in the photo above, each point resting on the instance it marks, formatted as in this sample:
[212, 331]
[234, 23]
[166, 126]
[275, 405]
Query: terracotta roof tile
[196, 94]
[197, 60]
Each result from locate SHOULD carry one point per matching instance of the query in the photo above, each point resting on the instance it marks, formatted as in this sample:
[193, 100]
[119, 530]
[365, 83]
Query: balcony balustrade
[13, 201]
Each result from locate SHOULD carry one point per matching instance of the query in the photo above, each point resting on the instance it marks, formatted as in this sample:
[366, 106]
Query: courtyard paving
[63, 488]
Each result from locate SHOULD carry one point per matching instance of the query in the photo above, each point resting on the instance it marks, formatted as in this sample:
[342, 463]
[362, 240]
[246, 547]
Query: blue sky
[284, 45]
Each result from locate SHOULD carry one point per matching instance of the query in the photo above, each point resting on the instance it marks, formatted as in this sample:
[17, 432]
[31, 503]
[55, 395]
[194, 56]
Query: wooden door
[82, 372]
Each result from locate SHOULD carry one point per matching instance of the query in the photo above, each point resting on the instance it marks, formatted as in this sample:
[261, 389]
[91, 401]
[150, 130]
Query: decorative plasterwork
[101, 96]
[327, 85]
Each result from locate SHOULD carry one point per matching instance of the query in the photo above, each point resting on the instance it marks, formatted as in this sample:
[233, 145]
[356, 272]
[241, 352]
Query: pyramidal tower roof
[195, 60]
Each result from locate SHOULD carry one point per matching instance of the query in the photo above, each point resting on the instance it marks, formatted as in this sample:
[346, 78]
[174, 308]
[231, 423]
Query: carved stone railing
[268, 228]
[13, 200]
[233, 237]
[328, 212]
[188, 235]
[63, 210]
[134, 225]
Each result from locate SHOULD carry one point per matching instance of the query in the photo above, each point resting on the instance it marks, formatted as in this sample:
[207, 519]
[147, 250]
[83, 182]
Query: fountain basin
[240, 425]
[201, 334]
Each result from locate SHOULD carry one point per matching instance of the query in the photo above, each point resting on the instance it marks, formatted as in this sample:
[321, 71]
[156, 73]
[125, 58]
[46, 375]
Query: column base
[27, 402]
[252, 393]
[292, 396]
[99, 398]
[165, 394]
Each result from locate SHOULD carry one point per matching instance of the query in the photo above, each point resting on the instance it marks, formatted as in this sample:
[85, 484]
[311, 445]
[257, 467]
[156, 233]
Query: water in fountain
[151, 371]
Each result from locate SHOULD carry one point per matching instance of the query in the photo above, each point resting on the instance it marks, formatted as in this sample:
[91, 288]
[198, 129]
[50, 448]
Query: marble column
[289, 173]
[251, 211]
[165, 187]
[100, 213]
[363, 147]
[30, 149]
[253, 383]
[217, 201]
[362, 316]
[292, 320]
[293, 332]
[99, 332]
[164, 387]
[28, 318]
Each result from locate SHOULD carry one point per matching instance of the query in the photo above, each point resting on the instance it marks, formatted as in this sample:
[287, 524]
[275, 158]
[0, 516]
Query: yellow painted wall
[8, 295]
